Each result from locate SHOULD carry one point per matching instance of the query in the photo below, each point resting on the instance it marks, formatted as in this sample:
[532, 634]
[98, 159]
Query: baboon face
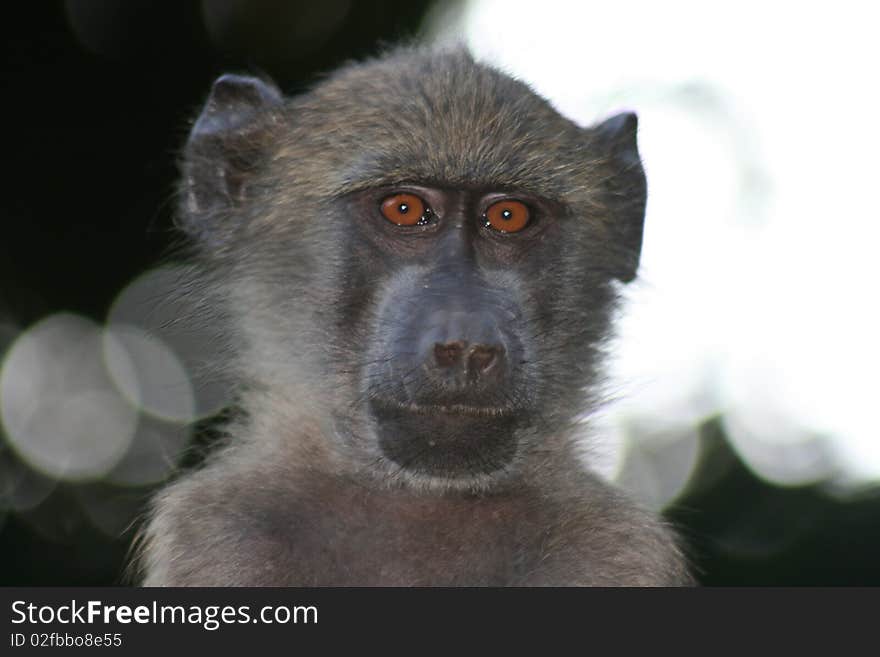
[427, 241]
[450, 374]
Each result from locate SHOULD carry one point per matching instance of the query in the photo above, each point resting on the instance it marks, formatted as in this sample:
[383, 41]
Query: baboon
[415, 264]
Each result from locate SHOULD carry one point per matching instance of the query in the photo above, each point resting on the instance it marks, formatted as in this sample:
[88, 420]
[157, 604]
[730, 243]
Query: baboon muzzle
[445, 408]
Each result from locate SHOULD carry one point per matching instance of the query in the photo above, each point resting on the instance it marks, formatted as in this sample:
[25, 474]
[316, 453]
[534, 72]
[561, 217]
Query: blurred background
[742, 395]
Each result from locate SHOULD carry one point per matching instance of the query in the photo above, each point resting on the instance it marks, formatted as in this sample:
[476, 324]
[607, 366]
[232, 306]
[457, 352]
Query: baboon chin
[416, 264]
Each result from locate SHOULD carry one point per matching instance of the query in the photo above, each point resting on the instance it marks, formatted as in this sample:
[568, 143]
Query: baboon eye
[406, 210]
[507, 216]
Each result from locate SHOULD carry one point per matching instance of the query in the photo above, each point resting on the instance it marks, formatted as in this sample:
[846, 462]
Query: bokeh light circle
[61, 412]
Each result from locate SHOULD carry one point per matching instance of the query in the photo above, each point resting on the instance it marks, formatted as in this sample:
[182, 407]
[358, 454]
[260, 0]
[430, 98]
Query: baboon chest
[352, 536]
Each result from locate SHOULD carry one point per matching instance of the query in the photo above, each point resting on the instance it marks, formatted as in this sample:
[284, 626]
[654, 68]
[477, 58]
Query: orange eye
[507, 216]
[405, 210]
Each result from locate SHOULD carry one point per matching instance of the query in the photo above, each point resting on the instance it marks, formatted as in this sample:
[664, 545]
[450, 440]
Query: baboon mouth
[446, 440]
[453, 409]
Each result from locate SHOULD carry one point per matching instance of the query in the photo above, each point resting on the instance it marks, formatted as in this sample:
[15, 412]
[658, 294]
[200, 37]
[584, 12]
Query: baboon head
[417, 255]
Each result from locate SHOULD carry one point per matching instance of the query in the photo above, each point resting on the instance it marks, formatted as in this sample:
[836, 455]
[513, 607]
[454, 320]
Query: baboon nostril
[448, 354]
[482, 358]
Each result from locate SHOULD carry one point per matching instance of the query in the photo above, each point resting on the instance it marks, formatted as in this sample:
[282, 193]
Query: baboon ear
[224, 146]
[626, 189]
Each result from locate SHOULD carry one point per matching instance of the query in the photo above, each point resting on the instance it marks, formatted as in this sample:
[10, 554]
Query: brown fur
[278, 195]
